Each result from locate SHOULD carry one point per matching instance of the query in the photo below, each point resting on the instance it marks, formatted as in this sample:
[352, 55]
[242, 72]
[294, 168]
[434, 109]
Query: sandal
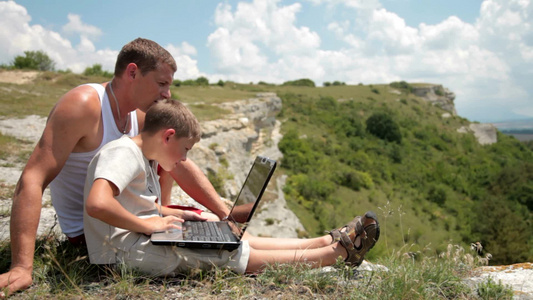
[369, 235]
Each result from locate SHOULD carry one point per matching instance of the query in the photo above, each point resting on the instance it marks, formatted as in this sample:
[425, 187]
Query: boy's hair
[146, 54]
[172, 114]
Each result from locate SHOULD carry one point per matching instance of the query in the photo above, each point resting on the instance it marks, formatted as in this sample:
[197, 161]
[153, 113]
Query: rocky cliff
[437, 95]
[227, 150]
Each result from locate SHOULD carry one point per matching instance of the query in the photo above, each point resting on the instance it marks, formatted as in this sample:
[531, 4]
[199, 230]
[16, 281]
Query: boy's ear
[168, 134]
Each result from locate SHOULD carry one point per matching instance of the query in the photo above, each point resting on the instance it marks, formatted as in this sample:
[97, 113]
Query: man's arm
[194, 182]
[66, 125]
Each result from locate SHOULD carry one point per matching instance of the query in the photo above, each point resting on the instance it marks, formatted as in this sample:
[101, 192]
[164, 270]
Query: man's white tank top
[67, 188]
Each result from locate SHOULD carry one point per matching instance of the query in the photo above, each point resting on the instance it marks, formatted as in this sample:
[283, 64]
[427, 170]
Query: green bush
[34, 60]
[383, 126]
[202, 81]
[301, 82]
[437, 194]
[402, 85]
[96, 70]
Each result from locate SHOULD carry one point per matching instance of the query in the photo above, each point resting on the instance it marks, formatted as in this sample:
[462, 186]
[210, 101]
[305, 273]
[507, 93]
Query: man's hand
[192, 216]
[17, 278]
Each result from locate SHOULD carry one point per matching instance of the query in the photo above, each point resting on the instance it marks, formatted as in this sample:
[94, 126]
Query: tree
[383, 126]
[301, 82]
[34, 60]
[503, 232]
[202, 81]
[96, 70]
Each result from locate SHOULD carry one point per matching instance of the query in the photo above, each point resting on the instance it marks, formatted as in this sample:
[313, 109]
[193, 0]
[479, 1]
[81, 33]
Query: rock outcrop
[485, 134]
[227, 150]
[437, 95]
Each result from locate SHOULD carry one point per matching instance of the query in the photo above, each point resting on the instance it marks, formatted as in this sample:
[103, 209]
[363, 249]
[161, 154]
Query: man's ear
[132, 70]
[168, 134]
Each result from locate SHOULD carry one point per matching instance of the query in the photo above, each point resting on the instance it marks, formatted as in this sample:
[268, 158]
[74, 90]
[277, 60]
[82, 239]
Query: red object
[77, 241]
[194, 209]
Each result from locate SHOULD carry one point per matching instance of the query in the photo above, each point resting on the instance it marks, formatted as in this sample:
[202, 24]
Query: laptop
[224, 234]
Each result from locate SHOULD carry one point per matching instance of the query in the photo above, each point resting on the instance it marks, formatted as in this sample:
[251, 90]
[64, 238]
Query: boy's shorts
[170, 260]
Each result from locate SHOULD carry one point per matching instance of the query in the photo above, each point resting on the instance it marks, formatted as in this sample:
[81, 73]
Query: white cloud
[76, 26]
[17, 36]
[187, 67]
[259, 35]
[486, 63]
[482, 62]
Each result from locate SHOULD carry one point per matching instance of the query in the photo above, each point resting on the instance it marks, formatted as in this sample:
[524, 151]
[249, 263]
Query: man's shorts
[170, 260]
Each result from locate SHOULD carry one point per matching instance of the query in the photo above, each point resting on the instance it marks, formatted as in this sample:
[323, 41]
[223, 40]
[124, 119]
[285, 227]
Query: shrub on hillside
[300, 82]
[383, 126]
[34, 60]
[402, 85]
[96, 70]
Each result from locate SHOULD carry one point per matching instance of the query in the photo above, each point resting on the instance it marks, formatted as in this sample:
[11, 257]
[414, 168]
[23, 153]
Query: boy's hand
[163, 223]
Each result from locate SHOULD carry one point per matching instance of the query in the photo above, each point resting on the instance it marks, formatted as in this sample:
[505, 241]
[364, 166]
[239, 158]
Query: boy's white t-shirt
[122, 163]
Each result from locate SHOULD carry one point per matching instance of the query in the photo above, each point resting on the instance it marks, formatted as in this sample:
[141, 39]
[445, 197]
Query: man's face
[153, 86]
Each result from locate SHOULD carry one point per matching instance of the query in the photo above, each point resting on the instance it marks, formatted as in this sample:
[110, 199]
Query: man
[82, 121]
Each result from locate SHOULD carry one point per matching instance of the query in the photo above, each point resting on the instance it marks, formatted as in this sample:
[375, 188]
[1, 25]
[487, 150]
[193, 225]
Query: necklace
[118, 109]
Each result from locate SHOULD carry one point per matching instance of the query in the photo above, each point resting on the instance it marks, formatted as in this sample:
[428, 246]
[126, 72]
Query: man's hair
[146, 54]
[172, 114]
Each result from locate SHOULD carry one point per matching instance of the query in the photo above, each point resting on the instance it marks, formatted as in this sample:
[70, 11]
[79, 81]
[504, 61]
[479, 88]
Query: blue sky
[480, 50]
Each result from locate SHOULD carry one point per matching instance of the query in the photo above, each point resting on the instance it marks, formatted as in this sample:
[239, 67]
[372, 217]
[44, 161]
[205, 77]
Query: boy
[121, 210]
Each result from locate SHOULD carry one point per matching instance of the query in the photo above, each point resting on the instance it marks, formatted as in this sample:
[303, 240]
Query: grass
[13, 150]
[62, 271]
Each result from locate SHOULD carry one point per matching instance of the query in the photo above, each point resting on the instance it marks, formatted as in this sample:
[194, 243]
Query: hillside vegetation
[348, 149]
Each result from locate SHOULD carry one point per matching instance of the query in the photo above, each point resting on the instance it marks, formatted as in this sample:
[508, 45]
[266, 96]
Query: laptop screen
[251, 191]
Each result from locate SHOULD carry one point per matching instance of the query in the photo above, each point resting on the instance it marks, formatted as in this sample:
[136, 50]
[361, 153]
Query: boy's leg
[353, 241]
[265, 243]
[324, 256]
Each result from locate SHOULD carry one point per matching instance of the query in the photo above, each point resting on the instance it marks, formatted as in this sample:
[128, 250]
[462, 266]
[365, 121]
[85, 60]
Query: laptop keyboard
[205, 231]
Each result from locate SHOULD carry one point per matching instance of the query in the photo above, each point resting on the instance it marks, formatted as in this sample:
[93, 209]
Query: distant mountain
[515, 125]
[520, 129]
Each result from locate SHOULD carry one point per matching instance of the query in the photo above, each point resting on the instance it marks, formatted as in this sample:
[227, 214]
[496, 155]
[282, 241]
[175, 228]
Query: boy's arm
[101, 204]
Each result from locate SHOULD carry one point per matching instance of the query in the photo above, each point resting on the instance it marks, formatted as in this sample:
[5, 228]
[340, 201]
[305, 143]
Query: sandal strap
[340, 235]
[369, 236]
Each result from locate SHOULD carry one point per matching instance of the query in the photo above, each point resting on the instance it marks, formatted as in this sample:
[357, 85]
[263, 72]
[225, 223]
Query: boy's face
[175, 152]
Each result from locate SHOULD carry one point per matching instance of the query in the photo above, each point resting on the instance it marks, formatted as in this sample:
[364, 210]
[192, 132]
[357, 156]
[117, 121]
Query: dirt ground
[18, 77]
